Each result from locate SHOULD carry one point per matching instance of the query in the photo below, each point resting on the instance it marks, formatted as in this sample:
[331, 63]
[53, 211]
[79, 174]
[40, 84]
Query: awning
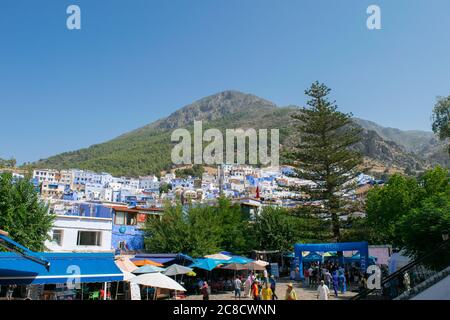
[64, 268]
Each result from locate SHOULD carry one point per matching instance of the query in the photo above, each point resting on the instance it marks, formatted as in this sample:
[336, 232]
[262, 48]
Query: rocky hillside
[147, 149]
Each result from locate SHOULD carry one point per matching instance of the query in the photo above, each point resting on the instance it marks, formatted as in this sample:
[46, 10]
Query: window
[89, 238]
[120, 218]
[57, 237]
[125, 219]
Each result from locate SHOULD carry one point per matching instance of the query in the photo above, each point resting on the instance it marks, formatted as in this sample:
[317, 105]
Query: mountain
[147, 150]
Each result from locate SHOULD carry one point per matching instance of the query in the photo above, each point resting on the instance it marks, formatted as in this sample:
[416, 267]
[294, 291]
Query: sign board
[275, 270]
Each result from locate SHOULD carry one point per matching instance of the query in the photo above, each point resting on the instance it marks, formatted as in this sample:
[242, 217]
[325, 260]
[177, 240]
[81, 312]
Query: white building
[46, 175]
[80, 234]
[148, 183]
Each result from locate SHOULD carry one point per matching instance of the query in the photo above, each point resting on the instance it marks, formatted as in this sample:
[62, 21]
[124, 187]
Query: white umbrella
[157, 280]
[235, 267]
[254, 265]
[262, 263]
[218, 256]
[127, 276]
[175, 269]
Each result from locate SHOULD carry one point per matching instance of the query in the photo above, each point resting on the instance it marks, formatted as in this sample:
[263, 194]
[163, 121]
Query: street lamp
[445, 235]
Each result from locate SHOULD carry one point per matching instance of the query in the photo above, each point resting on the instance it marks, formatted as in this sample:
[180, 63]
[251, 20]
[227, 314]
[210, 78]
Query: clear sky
[136, 61]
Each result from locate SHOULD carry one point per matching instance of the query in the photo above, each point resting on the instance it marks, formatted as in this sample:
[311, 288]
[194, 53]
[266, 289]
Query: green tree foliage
[195, 171]
[421, 230]
[325, 154]
[199, 230]
[11, 163]
[386, 205]
[22, 214]
[279, 229]
[412, 213]
[441, 119]
[165, 187]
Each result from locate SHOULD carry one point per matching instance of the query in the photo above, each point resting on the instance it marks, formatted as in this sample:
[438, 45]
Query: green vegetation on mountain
[147, 150]
[11, 163]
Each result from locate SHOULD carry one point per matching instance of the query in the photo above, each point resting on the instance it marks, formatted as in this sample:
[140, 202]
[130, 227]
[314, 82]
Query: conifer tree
[326, 155]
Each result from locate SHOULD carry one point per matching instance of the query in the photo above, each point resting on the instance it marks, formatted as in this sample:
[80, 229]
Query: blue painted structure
[131, 235]
[362, 247]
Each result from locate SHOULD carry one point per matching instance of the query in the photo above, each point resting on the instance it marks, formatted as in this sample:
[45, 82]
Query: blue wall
[133, 237]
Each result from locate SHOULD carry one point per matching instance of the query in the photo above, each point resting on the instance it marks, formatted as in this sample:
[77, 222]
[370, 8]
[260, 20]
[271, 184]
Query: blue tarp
[238, 260]
[207, 264]
[64, 267]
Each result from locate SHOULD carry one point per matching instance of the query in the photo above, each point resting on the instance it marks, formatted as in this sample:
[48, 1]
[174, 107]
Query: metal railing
[406, 278]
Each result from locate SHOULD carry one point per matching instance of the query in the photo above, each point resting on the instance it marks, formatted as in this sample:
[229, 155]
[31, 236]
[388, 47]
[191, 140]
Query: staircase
[394, 286]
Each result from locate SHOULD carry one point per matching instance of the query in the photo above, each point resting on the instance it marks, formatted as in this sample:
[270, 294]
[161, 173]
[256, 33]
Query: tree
[274, 230]
[235, 235]
[169, 233]
[22, 214]
[441, 119]
[421, 230]
[325, 154]
[199, 230]
[279, 228]
[387, 204]
[412, 213]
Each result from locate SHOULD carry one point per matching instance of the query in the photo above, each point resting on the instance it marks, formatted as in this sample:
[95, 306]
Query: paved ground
[302, 293]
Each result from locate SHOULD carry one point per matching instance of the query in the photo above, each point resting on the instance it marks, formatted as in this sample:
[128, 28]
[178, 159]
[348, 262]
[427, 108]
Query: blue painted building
[128, 225]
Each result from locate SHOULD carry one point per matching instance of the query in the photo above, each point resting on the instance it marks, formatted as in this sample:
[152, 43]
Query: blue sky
[138, 60]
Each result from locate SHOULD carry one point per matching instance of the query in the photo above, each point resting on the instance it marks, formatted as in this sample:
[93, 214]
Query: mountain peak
[214, 107]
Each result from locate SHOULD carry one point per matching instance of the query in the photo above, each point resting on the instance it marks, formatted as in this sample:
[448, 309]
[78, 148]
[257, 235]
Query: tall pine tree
[325, 154]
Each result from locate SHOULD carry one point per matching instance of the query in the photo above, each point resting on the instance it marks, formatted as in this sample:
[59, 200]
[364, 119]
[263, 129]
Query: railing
[406, 278]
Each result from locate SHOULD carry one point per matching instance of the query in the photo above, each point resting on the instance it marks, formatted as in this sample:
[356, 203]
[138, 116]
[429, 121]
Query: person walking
[335, 283]
[205, 291]
[323, 292]
[273, 284]
[266, 292]
[10, 291]
[306, 276]
[266, 275]
[237, 288]
[328, 277]
[247, 286]
[290, 292]
[255, 290]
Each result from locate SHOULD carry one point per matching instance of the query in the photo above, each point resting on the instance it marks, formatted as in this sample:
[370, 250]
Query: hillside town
[97, 212]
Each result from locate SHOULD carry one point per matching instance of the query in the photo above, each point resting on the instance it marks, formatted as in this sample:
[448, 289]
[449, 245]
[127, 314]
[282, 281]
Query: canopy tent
[313, 257]
[127, 276]
[239, 260]
[329, 254]
[206, 263]
[125, 264]
[157, 280]
[218, 256]
[63, 268]
[176, 269]
[148, 269]
[164, 258]
[141, 263]
[258, 265]
[356, 258]
[362, 247]
[235, 267]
